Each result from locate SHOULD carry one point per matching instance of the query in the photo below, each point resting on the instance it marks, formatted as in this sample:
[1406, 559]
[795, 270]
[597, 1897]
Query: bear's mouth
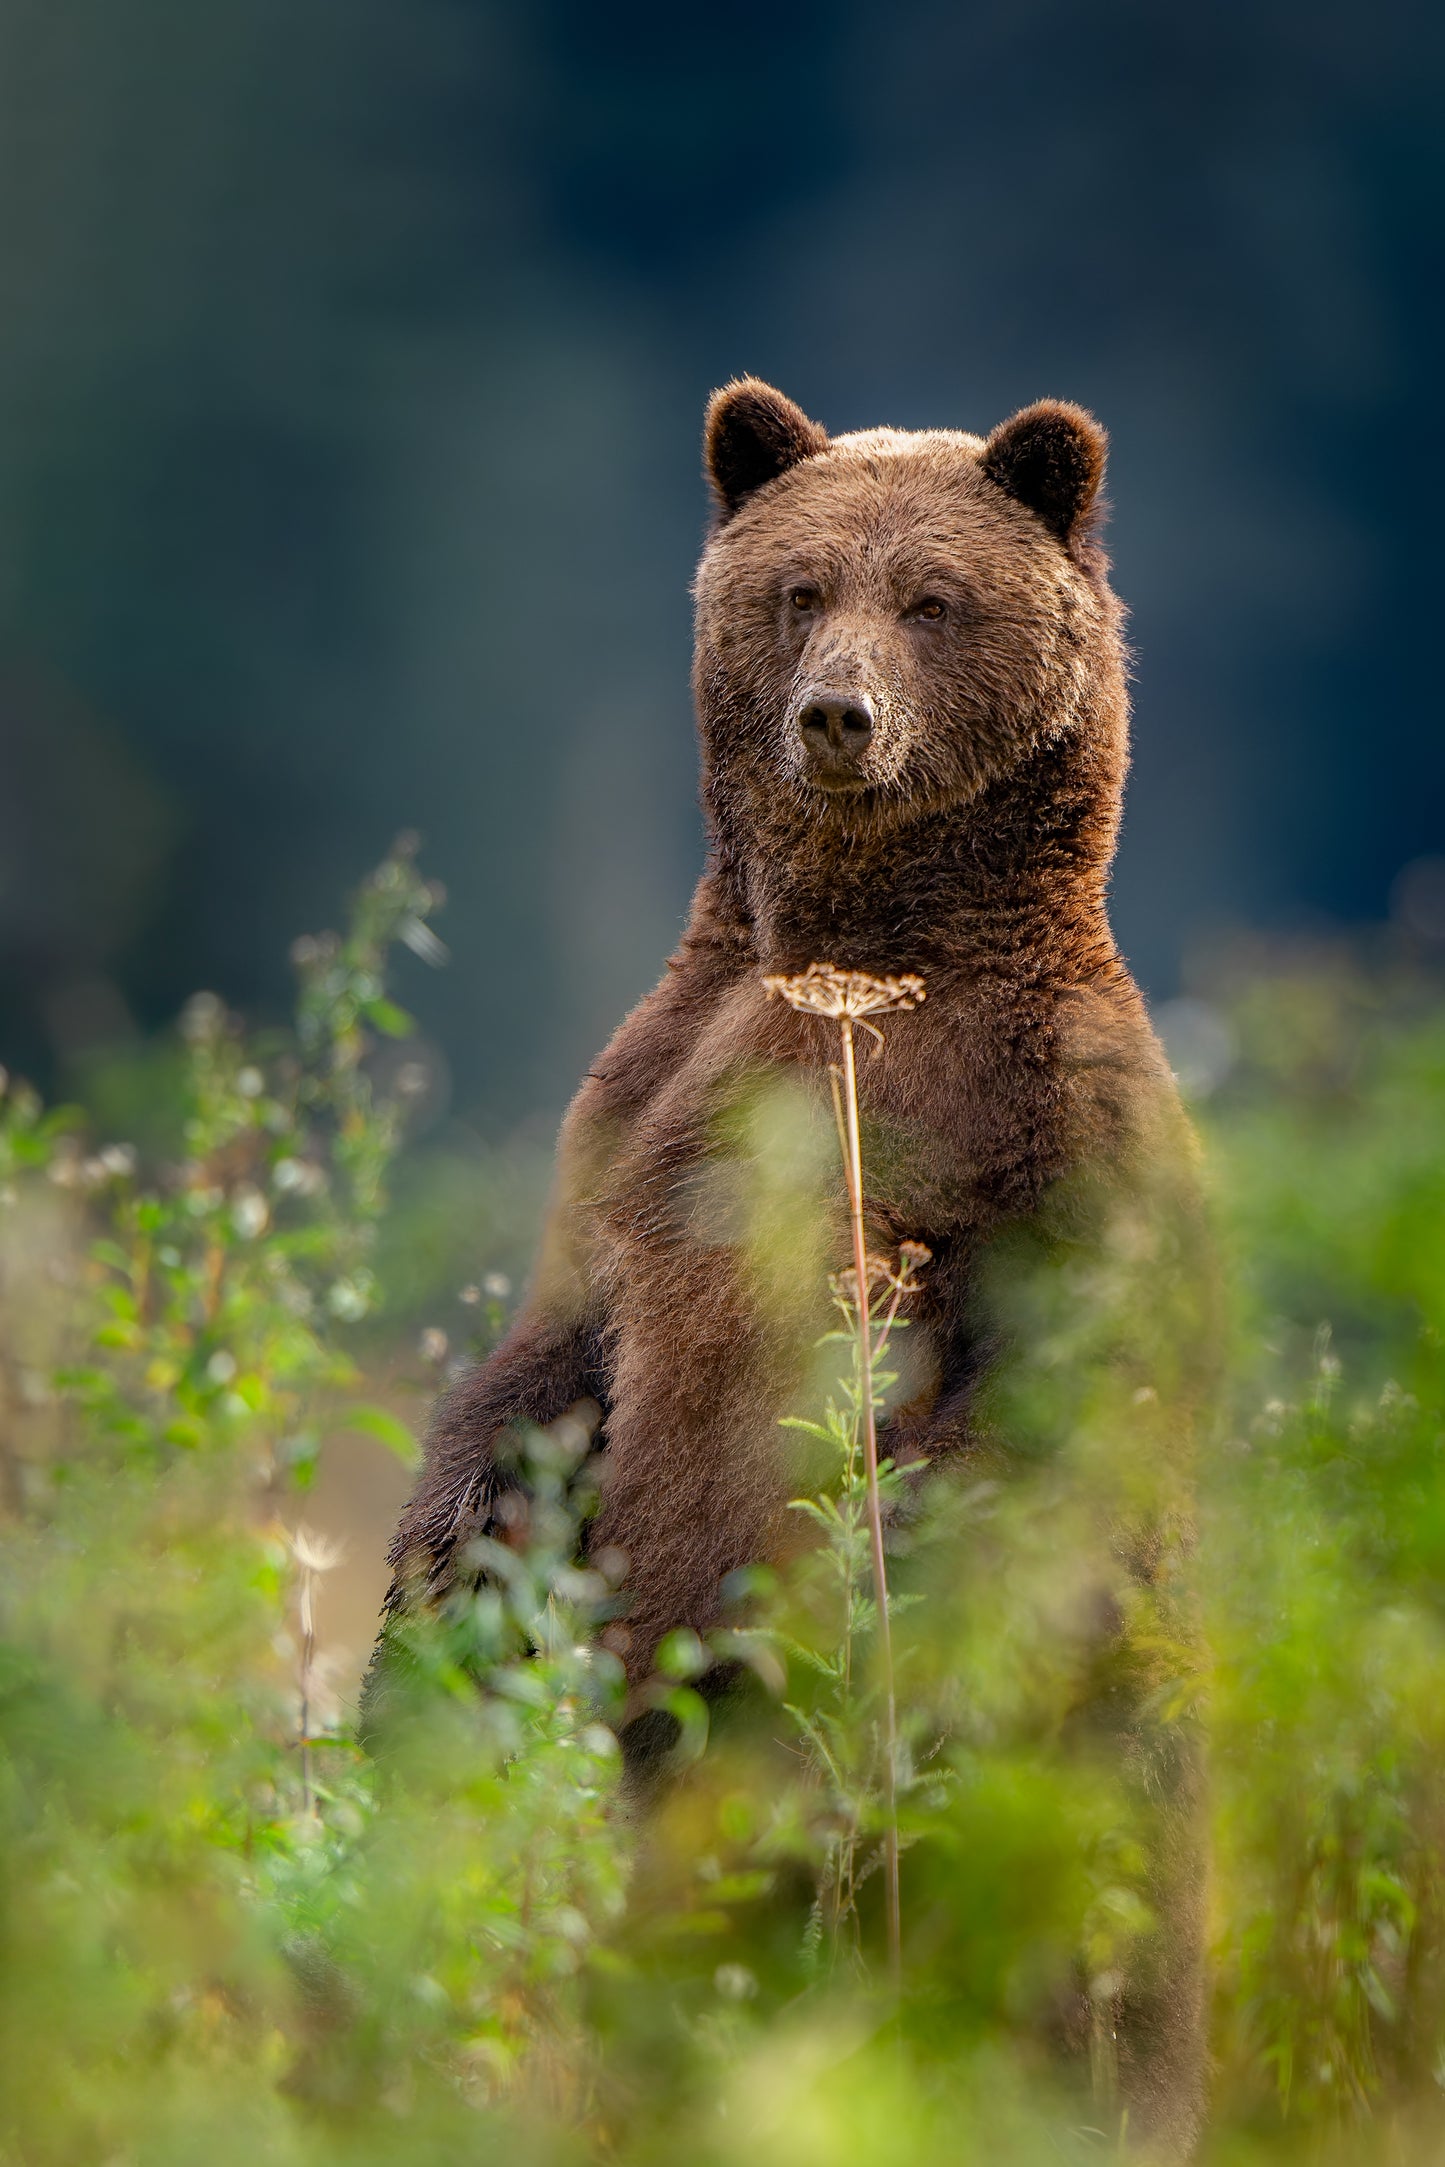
[840, 782]
[836, 772]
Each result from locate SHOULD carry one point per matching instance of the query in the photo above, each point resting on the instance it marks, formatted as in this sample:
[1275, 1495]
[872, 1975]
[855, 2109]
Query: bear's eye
[929, 610]
[804, 598]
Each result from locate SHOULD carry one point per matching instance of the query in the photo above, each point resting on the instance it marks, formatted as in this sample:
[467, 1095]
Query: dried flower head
[823, 990]
[843, 1285]
[203, 1019]
[900, 1279]
[250, 1213]
[315, 1553]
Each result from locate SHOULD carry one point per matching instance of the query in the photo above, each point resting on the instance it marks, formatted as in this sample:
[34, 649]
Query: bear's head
[896, 627]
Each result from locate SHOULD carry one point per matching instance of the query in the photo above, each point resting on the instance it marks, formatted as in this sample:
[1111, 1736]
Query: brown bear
[910, 688]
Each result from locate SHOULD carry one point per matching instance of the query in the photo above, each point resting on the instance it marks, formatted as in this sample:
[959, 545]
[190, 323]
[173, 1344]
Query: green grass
[209, 1950]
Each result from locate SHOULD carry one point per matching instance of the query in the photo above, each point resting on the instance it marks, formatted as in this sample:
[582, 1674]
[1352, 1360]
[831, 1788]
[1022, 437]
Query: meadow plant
[856, 1757]
[226, 1932]
[851, 997]
[188, 1866]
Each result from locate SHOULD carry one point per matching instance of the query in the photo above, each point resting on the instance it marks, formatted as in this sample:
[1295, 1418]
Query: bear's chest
[964, 1119]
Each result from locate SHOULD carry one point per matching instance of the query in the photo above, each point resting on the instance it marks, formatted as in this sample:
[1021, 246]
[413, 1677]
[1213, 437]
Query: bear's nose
[841, 721]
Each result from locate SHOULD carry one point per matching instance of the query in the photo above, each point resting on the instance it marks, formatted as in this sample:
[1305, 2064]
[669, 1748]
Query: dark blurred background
[352, 360]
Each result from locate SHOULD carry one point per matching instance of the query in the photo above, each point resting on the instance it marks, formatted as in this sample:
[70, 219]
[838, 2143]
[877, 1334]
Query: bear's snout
[835, 726]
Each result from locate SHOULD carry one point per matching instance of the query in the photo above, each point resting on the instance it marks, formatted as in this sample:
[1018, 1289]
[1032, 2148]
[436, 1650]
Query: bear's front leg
[695, 1480]
[541, 1369]
[544, 1367]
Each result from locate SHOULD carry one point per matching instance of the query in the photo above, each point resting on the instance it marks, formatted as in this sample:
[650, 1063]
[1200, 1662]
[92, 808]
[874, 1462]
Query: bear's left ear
[752, 435]
[1051, 458]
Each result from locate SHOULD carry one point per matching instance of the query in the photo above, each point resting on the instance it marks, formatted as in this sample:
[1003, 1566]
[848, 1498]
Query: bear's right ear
[752, 435]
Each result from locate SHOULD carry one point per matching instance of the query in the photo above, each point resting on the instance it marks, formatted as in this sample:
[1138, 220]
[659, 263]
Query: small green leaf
[386, 1428]
[681, 1655]
[117, 1335]
[387, 1017]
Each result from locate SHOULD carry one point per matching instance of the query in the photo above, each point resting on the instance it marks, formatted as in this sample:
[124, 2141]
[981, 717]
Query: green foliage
[1326, 1548]
[210, 1939]
[220, 1285]
[227, 1933]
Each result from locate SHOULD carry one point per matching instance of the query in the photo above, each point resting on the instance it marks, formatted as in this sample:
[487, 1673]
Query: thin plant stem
[853, 1163]
[308, 1657]
[835, 1085]
[314, 1556]
[848, 997]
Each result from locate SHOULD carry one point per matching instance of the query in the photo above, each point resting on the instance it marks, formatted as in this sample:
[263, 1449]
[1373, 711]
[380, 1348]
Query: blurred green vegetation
[225, 1933]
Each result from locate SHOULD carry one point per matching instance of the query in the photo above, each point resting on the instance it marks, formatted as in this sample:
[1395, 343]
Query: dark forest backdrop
[352, 358]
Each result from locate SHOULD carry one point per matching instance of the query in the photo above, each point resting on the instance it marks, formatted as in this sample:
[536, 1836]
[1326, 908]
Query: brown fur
[968, 841]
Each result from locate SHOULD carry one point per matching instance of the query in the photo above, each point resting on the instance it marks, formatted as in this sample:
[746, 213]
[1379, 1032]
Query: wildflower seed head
[901, 1278]
[824, 990]
[301, 1176]
[250, 1213]
[843, 1285]
[315, 1553]
[203, 1019]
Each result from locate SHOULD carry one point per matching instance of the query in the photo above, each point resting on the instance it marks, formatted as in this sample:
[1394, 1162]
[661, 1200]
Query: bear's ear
[752, 435]
[1051, 458]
